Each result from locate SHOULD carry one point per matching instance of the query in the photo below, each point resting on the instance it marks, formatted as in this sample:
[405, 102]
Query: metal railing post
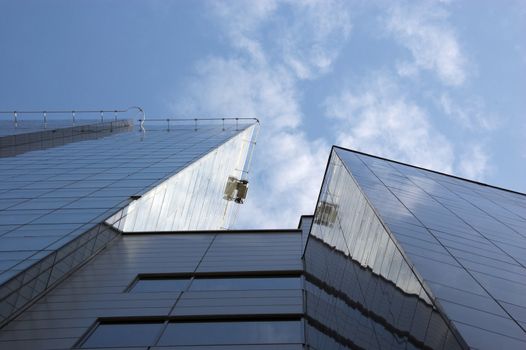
[143, 118]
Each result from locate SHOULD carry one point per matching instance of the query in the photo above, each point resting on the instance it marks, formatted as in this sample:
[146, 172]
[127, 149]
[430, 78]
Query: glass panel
[246, 283]
[128, 334]
[169, 284]
[49, 197]
[466, 240]
[230, 333]
[160, 285]
[370, 294]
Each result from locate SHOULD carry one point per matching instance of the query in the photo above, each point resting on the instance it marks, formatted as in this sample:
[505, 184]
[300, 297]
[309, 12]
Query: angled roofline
[432, 171]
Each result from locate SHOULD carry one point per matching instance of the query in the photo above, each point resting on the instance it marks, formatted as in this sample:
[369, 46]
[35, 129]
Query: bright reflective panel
[193, 198]
[467, 241]
[361, 289]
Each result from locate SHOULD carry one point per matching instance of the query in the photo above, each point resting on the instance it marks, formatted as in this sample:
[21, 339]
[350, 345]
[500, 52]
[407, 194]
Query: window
[246, 283]
[230, 333]
[195, 332]
[203, 283]
[144, 285]
[123, 334]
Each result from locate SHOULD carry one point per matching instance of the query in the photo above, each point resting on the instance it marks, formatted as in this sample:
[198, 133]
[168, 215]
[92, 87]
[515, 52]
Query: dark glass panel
[246, 283]
[122, 335]
[230, 333]
[160, 285]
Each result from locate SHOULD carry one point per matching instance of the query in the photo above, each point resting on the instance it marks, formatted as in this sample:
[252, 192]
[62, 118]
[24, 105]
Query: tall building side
[158, 285]
[359, 283]
[447, 250]
[54, 201]
[120, 241]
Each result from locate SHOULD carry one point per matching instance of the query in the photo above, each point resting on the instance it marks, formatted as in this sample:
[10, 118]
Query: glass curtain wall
[53, 200]
[192, 199]
[361, 289]
[465, 239]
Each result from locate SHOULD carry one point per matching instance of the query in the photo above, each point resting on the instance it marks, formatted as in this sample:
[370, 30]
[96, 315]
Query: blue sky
[440, 84]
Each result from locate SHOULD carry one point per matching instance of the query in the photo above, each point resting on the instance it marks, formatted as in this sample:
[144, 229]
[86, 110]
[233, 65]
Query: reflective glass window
[160, 285]
[123, 334]
[246, 283]
[230, 333]
[174, 284]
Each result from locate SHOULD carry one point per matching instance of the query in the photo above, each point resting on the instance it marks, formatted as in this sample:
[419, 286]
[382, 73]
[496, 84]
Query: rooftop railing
[47, 115]
[173, 122]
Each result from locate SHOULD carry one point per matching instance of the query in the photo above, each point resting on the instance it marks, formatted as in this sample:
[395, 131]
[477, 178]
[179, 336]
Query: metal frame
[73, 113]
[195, 121]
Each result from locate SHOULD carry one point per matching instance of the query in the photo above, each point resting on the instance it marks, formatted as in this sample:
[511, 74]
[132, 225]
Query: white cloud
[239, 87]
[311, 42]
[377, 118]
[471, 113]
[305, 36]
[242, 21]
[424, 30]
[276, 44]
[292, 168]
[474, 163]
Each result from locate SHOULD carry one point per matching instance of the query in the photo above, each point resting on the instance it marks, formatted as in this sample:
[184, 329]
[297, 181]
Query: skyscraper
[394, 257]
[404, 257]
[64, 186]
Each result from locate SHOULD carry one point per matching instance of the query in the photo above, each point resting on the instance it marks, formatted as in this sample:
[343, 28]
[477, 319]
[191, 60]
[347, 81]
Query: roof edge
[430, 170]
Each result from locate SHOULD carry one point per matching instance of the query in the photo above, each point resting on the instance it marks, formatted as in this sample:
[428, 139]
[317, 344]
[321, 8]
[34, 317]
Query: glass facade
[394, 257]
[52, 198]
[196, 333]
[192, 290]
[123, 335]
[24, 138]
[359, 283]
[29, 124]
[192, 199]
[423, 259]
